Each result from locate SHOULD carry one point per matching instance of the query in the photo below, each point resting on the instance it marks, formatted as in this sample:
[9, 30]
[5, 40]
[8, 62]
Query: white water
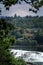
[28, 56]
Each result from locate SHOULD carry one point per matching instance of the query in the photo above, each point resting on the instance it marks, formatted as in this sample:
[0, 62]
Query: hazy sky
[21, 10]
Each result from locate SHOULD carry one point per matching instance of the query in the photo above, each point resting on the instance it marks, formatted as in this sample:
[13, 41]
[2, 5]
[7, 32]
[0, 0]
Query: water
[28, 56]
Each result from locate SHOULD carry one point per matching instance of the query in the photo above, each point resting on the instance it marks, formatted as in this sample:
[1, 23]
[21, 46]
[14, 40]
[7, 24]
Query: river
[29, 56]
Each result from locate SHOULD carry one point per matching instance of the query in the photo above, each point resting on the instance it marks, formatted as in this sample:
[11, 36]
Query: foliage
[28, 31]
[36, 4]
[21, 61]
[6, 57]
[26, 22]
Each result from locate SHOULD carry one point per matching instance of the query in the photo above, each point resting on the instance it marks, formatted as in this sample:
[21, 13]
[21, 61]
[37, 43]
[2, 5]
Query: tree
[36, 4]
[6, 57]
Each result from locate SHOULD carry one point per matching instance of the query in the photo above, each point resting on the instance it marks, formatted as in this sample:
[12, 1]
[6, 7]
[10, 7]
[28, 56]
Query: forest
[27, 31]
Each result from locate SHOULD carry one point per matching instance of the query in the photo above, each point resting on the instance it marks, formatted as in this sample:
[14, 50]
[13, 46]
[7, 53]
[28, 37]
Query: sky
[20, 10]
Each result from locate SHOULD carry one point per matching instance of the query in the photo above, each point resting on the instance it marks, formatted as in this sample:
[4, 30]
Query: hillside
[28, 32]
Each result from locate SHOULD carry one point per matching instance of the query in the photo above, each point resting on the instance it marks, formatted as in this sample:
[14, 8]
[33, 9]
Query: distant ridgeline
[28, 32]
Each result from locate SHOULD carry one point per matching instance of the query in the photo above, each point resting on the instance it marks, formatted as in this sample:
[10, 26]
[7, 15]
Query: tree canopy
[6, 57]
[36, 4]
